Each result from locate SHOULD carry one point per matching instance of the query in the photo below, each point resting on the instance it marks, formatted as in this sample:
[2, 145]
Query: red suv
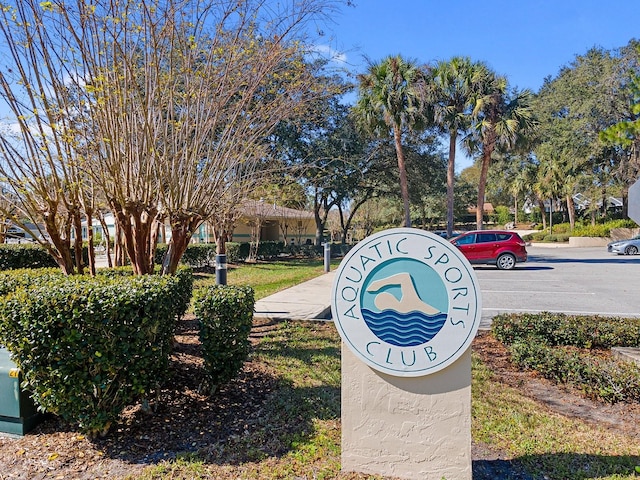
[499, 247]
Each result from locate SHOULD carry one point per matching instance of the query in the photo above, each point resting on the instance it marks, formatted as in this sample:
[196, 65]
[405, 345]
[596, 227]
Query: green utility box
[18, 413]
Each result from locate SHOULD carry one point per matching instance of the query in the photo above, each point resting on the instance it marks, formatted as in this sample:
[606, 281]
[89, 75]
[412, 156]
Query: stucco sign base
[411, 428]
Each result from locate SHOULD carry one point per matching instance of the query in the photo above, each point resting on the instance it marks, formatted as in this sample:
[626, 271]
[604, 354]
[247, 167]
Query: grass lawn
[303, 419]
[267, 278]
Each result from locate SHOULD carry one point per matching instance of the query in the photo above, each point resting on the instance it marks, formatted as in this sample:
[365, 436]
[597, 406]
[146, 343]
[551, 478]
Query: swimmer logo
[406, 302]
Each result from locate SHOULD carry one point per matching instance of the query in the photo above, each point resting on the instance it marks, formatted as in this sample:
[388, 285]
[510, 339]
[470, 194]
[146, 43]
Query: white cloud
[329, 53]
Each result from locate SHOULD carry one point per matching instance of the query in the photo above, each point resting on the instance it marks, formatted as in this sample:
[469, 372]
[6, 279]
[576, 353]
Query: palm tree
[451, 91]
[389, 102]
[521, 184]
[501, 120]
[551, 179]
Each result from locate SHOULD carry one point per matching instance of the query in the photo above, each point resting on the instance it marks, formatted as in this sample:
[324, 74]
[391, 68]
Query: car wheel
[506, 261]
[631, 250]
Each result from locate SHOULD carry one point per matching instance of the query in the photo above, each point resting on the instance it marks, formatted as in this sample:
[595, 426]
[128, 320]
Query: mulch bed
[185, 420]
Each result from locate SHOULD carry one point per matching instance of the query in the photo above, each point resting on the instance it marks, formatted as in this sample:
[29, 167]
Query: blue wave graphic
[404, 329]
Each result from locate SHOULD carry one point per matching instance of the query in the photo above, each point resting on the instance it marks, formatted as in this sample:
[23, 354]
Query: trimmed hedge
[89, 347]
[24, 255]
[203, 254]
[557, 346]
[225, 314]
[609, 380]
[233, 252]
[13, 279]
[183, 289]
[196, 255]
[573, 330]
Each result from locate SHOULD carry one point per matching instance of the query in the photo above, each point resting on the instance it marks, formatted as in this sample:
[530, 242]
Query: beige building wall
[411, 428]
[300, 231]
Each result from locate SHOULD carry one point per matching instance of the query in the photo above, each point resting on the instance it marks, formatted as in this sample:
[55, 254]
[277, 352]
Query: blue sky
[526, 40]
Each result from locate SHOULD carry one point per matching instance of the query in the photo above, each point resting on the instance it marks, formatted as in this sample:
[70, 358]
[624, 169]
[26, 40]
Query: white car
[625, 247]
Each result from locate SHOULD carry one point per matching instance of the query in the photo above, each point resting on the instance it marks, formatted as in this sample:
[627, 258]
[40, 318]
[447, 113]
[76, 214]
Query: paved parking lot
[569, 280]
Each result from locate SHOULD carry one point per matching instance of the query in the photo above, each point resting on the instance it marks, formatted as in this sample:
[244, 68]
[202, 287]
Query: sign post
[634, 202]
[407, 305]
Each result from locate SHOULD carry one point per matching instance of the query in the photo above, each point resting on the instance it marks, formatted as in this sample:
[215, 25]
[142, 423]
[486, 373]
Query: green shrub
[573, 330]
[597, 230]
[609, 380]
[233, 252]
[243, 251]
[308, 251]
[161, 250]
[88, 347]
[24, 255]
[547, 343]
[535, 236]
[13, 279]
[557, 237]
[601, 229]
[183, 286]
[225, 314]
[503, 215]
[266, 249]
[200, 255]
[270, 249]
[196, 255]
[559, 228]
[183, 290]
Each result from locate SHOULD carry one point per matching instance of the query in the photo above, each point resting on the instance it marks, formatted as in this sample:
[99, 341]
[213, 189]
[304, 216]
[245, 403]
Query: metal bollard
[221, 269]
[327, 256]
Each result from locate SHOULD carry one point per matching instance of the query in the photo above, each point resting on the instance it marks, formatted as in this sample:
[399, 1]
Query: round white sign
[406, 302]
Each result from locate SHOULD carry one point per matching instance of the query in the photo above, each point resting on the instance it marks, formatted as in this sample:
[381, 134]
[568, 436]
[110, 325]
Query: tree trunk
[136, 224]
[451, 178]
[487, 150]
[182, 228]
[404, 184]
[319, 224]
[118, 245]
[571, 210]
[317, 218]
[106, 238]
[61, 249]
[352, 213]
[543, 214]
[625, 202]
[90, 242]
[77, 242]
[254, 243]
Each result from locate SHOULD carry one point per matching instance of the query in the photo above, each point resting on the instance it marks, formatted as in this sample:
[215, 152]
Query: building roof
[488, 208]
[259, 208]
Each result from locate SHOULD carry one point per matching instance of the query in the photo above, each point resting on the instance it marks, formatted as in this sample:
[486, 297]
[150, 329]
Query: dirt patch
[186, 421]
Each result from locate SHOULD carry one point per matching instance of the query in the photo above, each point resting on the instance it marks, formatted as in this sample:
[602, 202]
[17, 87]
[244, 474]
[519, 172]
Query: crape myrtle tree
[42, 169]
[214, 80]
[178, 97]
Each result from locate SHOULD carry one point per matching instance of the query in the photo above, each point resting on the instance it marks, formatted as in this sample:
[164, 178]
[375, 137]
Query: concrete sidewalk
[310, 300]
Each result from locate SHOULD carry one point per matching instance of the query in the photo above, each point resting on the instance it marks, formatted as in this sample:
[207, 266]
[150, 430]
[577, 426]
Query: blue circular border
[468, 269]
